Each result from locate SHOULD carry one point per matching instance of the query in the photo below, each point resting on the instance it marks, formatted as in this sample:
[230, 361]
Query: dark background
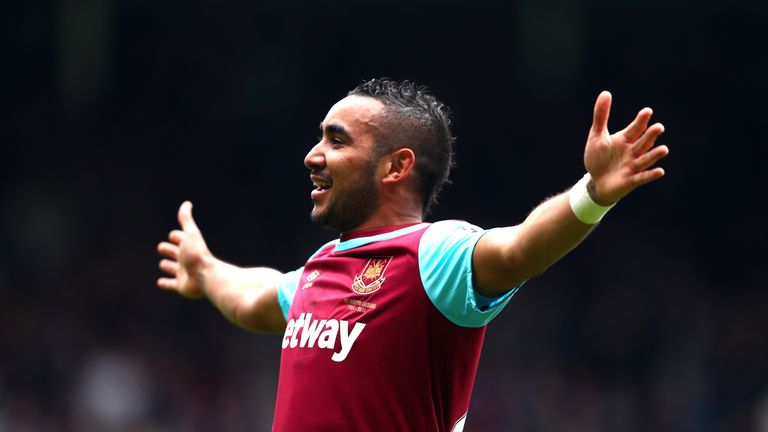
[113, 112]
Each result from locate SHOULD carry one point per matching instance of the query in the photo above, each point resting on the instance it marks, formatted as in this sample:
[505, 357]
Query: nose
[315, 158]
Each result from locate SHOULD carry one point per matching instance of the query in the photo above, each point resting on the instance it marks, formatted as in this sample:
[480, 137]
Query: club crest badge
[372, 276]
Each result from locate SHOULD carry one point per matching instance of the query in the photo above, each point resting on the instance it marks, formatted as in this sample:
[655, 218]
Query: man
[384, 326]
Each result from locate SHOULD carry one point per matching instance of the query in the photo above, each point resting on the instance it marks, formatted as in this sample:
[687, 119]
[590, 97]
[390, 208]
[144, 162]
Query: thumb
[601, 113]
[185, 217]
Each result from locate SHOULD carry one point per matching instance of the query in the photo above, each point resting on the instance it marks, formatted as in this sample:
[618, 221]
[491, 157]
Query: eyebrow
[333, 129]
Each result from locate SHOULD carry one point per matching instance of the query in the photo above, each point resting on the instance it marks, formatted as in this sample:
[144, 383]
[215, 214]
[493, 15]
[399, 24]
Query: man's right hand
[185, 257]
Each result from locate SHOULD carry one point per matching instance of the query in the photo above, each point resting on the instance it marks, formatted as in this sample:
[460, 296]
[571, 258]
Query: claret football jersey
[384, 331]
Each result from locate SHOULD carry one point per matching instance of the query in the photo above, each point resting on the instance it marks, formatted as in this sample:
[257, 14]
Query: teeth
[320, 184]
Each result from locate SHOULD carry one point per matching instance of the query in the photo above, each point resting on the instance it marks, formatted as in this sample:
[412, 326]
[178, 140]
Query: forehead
[357, 114]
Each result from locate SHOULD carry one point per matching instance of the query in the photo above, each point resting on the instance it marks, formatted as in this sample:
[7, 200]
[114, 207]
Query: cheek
[350, 169]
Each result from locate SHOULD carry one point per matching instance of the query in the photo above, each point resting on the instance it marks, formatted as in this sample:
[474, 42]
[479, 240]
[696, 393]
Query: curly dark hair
[414, 119]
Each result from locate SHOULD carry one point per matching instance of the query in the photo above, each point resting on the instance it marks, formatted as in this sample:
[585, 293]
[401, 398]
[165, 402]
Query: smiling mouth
[321, 185]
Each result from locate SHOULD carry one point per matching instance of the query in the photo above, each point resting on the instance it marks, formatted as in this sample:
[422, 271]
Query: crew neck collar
[373, 231]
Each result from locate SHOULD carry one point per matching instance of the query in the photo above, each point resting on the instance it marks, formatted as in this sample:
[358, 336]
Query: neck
[383, 222]
[392, 213]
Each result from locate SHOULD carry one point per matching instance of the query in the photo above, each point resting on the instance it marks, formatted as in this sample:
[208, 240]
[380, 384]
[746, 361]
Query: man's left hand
[621, 162]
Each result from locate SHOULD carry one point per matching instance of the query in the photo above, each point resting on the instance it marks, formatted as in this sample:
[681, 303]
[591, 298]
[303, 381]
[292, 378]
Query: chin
[321, 219]
[325, 220]
[343, 215]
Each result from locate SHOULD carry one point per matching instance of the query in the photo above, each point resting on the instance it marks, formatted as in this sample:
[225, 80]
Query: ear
[399, 165]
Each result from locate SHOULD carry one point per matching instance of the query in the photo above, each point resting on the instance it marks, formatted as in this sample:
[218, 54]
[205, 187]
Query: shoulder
[450, 233]
[445, 264]
[452, 225]
[324, 249]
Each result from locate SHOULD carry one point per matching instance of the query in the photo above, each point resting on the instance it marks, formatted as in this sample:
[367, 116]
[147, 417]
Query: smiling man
[383, 327]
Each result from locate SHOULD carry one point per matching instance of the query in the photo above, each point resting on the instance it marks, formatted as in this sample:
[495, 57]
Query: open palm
[618, 163]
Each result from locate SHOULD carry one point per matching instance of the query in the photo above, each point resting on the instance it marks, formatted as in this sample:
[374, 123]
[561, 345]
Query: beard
[351, 206]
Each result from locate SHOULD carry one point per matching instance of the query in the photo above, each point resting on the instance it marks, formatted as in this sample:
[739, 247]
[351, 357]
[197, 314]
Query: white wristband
[582, 205]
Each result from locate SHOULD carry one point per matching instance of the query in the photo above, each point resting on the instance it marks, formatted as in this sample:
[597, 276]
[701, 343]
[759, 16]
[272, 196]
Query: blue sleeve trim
[445, 262]
[286, 289]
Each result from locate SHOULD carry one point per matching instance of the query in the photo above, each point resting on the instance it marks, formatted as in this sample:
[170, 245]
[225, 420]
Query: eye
[334, 141]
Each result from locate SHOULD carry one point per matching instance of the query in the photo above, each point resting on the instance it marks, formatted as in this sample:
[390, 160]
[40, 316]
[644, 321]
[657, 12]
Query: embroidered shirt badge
[372, 276]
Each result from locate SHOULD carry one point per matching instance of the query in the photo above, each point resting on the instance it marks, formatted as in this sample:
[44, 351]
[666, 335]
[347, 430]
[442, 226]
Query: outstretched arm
[246, 296]
[617, 164]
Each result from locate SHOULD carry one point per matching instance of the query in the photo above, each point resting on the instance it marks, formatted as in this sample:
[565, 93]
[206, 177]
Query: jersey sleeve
[286, 289]
[445, 263]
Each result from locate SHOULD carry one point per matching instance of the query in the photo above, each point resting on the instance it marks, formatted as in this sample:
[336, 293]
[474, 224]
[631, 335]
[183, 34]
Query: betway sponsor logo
[304, 332]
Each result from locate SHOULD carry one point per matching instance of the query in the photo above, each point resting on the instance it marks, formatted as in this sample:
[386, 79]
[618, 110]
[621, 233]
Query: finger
[602, 112]
[167, 283]
[176, 236]
[185, 217]
[169, 266]
[647, 159]
[648, 139]
[168, 250]
[635, 129]
[645, 177]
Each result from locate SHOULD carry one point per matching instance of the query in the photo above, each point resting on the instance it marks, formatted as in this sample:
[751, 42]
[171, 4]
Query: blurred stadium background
[113, 112]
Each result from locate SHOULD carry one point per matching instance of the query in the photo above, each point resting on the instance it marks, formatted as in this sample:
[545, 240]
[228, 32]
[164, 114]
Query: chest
[360, 285]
